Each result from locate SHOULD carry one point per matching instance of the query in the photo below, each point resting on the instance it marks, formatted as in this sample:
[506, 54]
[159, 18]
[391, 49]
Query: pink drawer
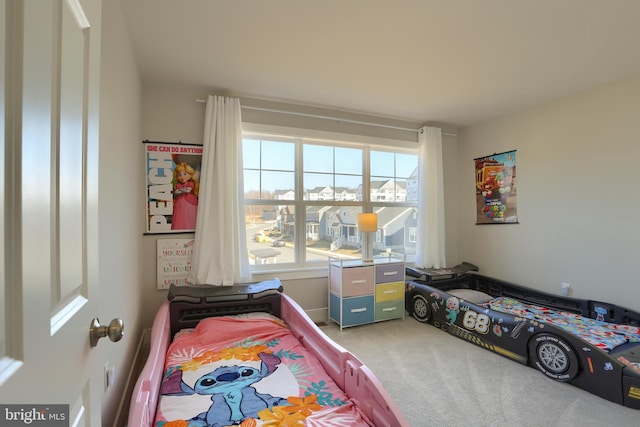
[357, 281]
[390, 273]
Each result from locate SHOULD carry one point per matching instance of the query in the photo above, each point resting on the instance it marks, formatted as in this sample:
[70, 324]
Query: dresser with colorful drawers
[361, 293]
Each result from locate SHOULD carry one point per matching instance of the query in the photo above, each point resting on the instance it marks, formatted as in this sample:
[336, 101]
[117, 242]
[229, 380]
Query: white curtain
[220, 246]
[430, 246]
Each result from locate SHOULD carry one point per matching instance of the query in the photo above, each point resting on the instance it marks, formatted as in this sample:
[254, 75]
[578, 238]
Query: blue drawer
[334, 307]
[355, 310]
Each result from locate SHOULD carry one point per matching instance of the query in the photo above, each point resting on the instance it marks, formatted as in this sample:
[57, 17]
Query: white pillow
[470, 295]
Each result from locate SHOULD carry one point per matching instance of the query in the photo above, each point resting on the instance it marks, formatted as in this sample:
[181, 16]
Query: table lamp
[367, 224]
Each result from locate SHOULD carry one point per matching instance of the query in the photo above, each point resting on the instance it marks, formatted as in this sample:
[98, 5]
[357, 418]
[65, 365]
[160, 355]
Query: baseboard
[318, 315]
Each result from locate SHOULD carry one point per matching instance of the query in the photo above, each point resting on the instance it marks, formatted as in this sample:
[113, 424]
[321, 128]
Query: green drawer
[390, 310]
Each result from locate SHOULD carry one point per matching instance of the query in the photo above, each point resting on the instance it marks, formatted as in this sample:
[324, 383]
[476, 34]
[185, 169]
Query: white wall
[578, 199]
[121, 213]
[167, 115]
[172, 114]
[576, 160]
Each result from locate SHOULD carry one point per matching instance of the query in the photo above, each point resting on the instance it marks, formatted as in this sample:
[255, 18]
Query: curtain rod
[318, 116]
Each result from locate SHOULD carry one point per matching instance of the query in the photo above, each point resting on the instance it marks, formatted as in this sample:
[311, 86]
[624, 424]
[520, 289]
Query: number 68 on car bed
[478, 322]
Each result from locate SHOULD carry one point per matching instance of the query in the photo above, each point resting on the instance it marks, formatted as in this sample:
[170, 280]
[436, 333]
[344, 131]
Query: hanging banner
[173, 185]
[496, 189]
[174, 262]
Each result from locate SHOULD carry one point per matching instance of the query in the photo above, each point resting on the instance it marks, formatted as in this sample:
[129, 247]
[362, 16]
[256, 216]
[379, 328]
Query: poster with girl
[496, 189]
[173, 186]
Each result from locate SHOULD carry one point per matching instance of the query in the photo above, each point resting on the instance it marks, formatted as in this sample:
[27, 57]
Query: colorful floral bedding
[248, 372]
[603, 335]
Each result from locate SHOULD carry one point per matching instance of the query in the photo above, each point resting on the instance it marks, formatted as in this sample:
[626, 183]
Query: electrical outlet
[109, 376]
[565, 288]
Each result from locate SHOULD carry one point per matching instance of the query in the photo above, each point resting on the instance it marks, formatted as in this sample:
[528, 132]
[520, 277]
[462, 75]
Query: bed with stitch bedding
[250, 356]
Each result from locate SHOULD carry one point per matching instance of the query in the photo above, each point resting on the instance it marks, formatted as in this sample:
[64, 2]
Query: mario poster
[496, 189]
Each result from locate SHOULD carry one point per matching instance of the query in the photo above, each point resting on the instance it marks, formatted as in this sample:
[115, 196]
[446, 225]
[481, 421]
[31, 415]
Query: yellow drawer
[389, 291]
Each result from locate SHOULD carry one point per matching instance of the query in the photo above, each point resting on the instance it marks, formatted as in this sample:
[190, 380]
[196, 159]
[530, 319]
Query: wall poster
[173, 185]
[174, 262]
[496, 189]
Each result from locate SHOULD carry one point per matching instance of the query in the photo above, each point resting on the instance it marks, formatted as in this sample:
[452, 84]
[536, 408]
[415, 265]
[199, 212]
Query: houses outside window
[303, 196]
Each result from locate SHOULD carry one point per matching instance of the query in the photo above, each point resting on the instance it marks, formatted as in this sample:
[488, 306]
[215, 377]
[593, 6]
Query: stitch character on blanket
[233, 397]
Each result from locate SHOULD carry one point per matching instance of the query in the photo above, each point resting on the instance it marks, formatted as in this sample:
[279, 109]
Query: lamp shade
[368, 222]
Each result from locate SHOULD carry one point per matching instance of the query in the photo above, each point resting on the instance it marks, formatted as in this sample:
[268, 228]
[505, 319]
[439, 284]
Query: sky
[322, 164]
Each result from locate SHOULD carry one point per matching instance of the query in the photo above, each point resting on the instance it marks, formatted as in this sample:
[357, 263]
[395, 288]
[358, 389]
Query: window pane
[318, 186]
[347, 187]
[251, 153]
[406, 165]
[270, 234]
[276, 182]
[401, 190]
[318, 158]
[348, 161]
[396, 230]
[251, 184]
[413, 187]
[269, 169]
[382, 163]
[393, 177]
[320, 180]
[332, 231]
[278, 155]
[382, 189]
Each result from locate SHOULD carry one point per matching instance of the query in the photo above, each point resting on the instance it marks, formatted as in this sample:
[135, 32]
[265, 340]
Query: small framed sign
[174, 262]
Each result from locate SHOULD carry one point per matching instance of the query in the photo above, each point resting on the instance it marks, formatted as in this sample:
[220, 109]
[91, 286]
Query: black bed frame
[496, 288]
[435, 274]
[190, 304]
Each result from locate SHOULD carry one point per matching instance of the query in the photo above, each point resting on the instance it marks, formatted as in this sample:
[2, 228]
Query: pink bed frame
[349, 373]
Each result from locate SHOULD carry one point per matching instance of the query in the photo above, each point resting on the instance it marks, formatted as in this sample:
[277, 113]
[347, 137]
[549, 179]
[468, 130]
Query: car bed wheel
[420, 308]
[554, 357]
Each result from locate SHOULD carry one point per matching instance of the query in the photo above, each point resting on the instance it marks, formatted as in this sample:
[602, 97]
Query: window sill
[291, 273]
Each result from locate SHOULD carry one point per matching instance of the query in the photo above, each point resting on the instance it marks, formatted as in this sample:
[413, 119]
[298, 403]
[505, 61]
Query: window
[303, 196]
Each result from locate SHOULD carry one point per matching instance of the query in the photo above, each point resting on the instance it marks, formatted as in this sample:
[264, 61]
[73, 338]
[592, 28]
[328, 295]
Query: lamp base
[367, 249]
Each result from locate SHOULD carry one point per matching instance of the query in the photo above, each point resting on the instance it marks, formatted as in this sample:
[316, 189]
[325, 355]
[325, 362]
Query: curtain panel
[220, 246]
[430, 245]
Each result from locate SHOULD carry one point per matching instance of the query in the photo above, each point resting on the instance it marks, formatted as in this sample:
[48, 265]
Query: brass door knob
[114, 331]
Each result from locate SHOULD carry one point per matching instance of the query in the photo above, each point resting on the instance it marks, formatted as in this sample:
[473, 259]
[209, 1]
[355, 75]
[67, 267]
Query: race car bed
[248, 355]
[591, 344]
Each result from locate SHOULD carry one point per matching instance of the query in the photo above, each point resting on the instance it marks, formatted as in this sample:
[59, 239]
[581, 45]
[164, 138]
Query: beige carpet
[440, 380]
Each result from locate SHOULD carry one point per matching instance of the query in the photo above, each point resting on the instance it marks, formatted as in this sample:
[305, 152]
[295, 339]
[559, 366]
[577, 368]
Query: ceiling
[458, 62]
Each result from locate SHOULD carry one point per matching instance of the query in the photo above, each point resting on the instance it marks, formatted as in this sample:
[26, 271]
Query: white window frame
[305, 269]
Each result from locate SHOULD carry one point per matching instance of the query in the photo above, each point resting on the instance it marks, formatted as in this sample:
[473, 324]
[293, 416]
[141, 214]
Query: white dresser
[366, 292]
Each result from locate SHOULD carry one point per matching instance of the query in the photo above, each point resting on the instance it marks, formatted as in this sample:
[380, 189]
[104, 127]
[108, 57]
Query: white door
[50, 81]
